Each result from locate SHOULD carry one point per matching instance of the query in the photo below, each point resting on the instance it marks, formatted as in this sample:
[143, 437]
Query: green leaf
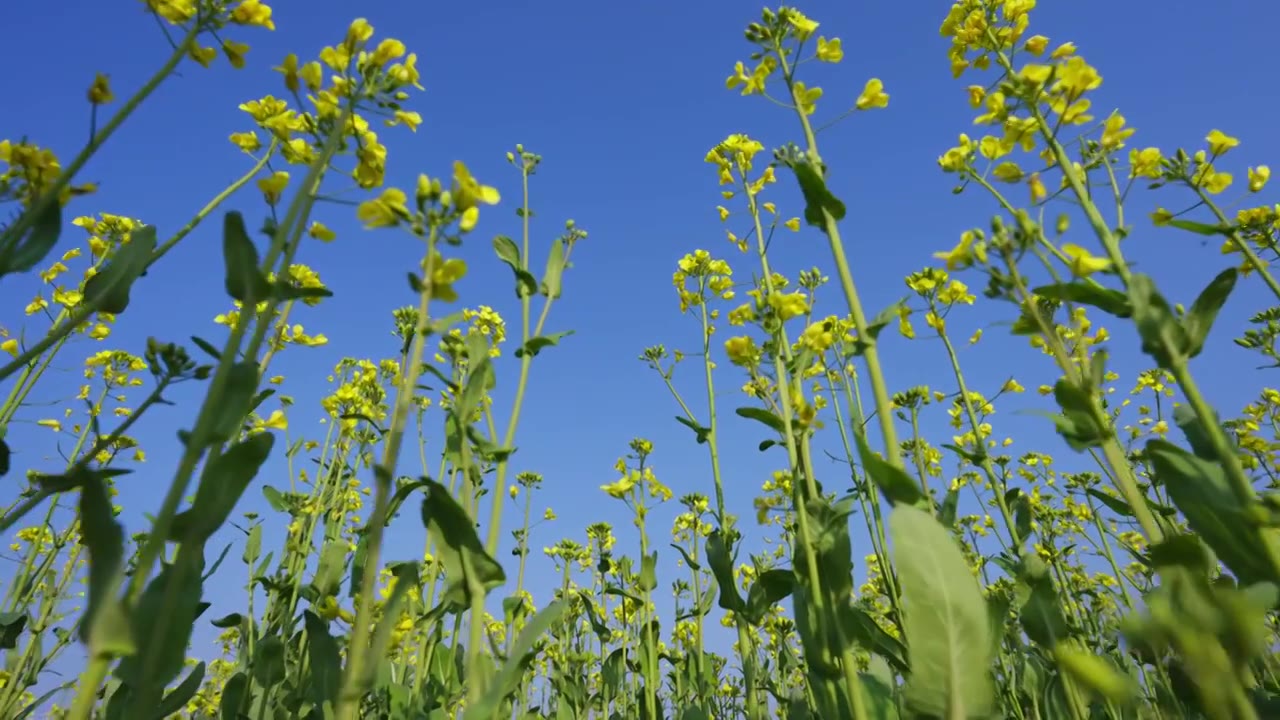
[898, 487]
[950, 507]
[233, 694]
[1095, 673]
[287, 291]
[519, 658]
[324, 659]
[177, 698]
[108, 290]
[648, 579]
[1086, 293]
[817, 197]
[269, 662]
[330, 569]
[104, 627]
[763, 416]
[551, 278]
[509, 253]
[1159, 329]
[721, 564]
[244, 280]
[1200, 489]
[876, 326]
[20, 254]
[880, 701]
[459, 548]
[700, 432]
[1198, 227]
[232, 406]
[868, 633]
[1041, 616]
[535, 345]
[222, 483]
[769, 589]
[1200, 316]
[177, 585]
[274, 498]
[947, 627]
[228, 621]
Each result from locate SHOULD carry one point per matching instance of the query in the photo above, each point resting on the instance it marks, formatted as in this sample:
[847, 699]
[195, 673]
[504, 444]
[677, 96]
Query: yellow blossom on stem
[386, 210]
[273, 187]
[1220, 142]
[829, 51]
[1258, 178]
[253, 12]
[100, 90]
[1081, 262]
[873, 95]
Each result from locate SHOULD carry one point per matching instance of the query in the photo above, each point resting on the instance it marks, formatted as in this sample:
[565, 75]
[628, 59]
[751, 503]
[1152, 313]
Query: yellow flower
[873, 95]
[55, 425]
[793, 224]
[277, 421]
[407, 118]
[289, 68]
[100, 91]
[829, 50]
[623, 486]
[10, 346]
[273, 187]
[1114, 133]
[742, 350]
[1258, 177]
[1036, 44]
[807, 98]
[1081, 262]
[1008, 172]
[235, 52]
[320, 232]
[1036, 185]
[386, 210]
[468, 194]
[1161, 217]
[1145, 162]
[253, 12]
[1220, 142]
[246, 141]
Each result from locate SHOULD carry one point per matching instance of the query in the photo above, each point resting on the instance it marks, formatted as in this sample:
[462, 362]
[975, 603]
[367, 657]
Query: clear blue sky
[622, 100]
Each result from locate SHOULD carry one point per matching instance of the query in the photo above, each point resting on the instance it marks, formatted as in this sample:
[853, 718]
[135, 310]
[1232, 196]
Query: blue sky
[622, 100]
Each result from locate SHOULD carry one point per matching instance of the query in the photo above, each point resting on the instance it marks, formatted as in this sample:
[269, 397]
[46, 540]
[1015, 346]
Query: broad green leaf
[459, 548]
[1110, 301]
[817, 197]
[770, 588]
[946, 624]
[535, 345]
[898, 487]
[222, 483]
[1096, 674]
[1041, 616]
[20, 254]
[509, 253]
[324, 660]
[721, 564]
[329, 571]
[178, 697]
[104, 626]
[1200, 316]
[234, 401]
[108, 290]
[1198, 227]
[518, 660]
[700, 433]
[1200, 489]
[233, 694]
[648, 578]
[868, 633]
[269, 662]
[244, 280]
[879, 698]
[763, 416]
[877, 325]
[551, 278]
[1159, 329]
[180, 584]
